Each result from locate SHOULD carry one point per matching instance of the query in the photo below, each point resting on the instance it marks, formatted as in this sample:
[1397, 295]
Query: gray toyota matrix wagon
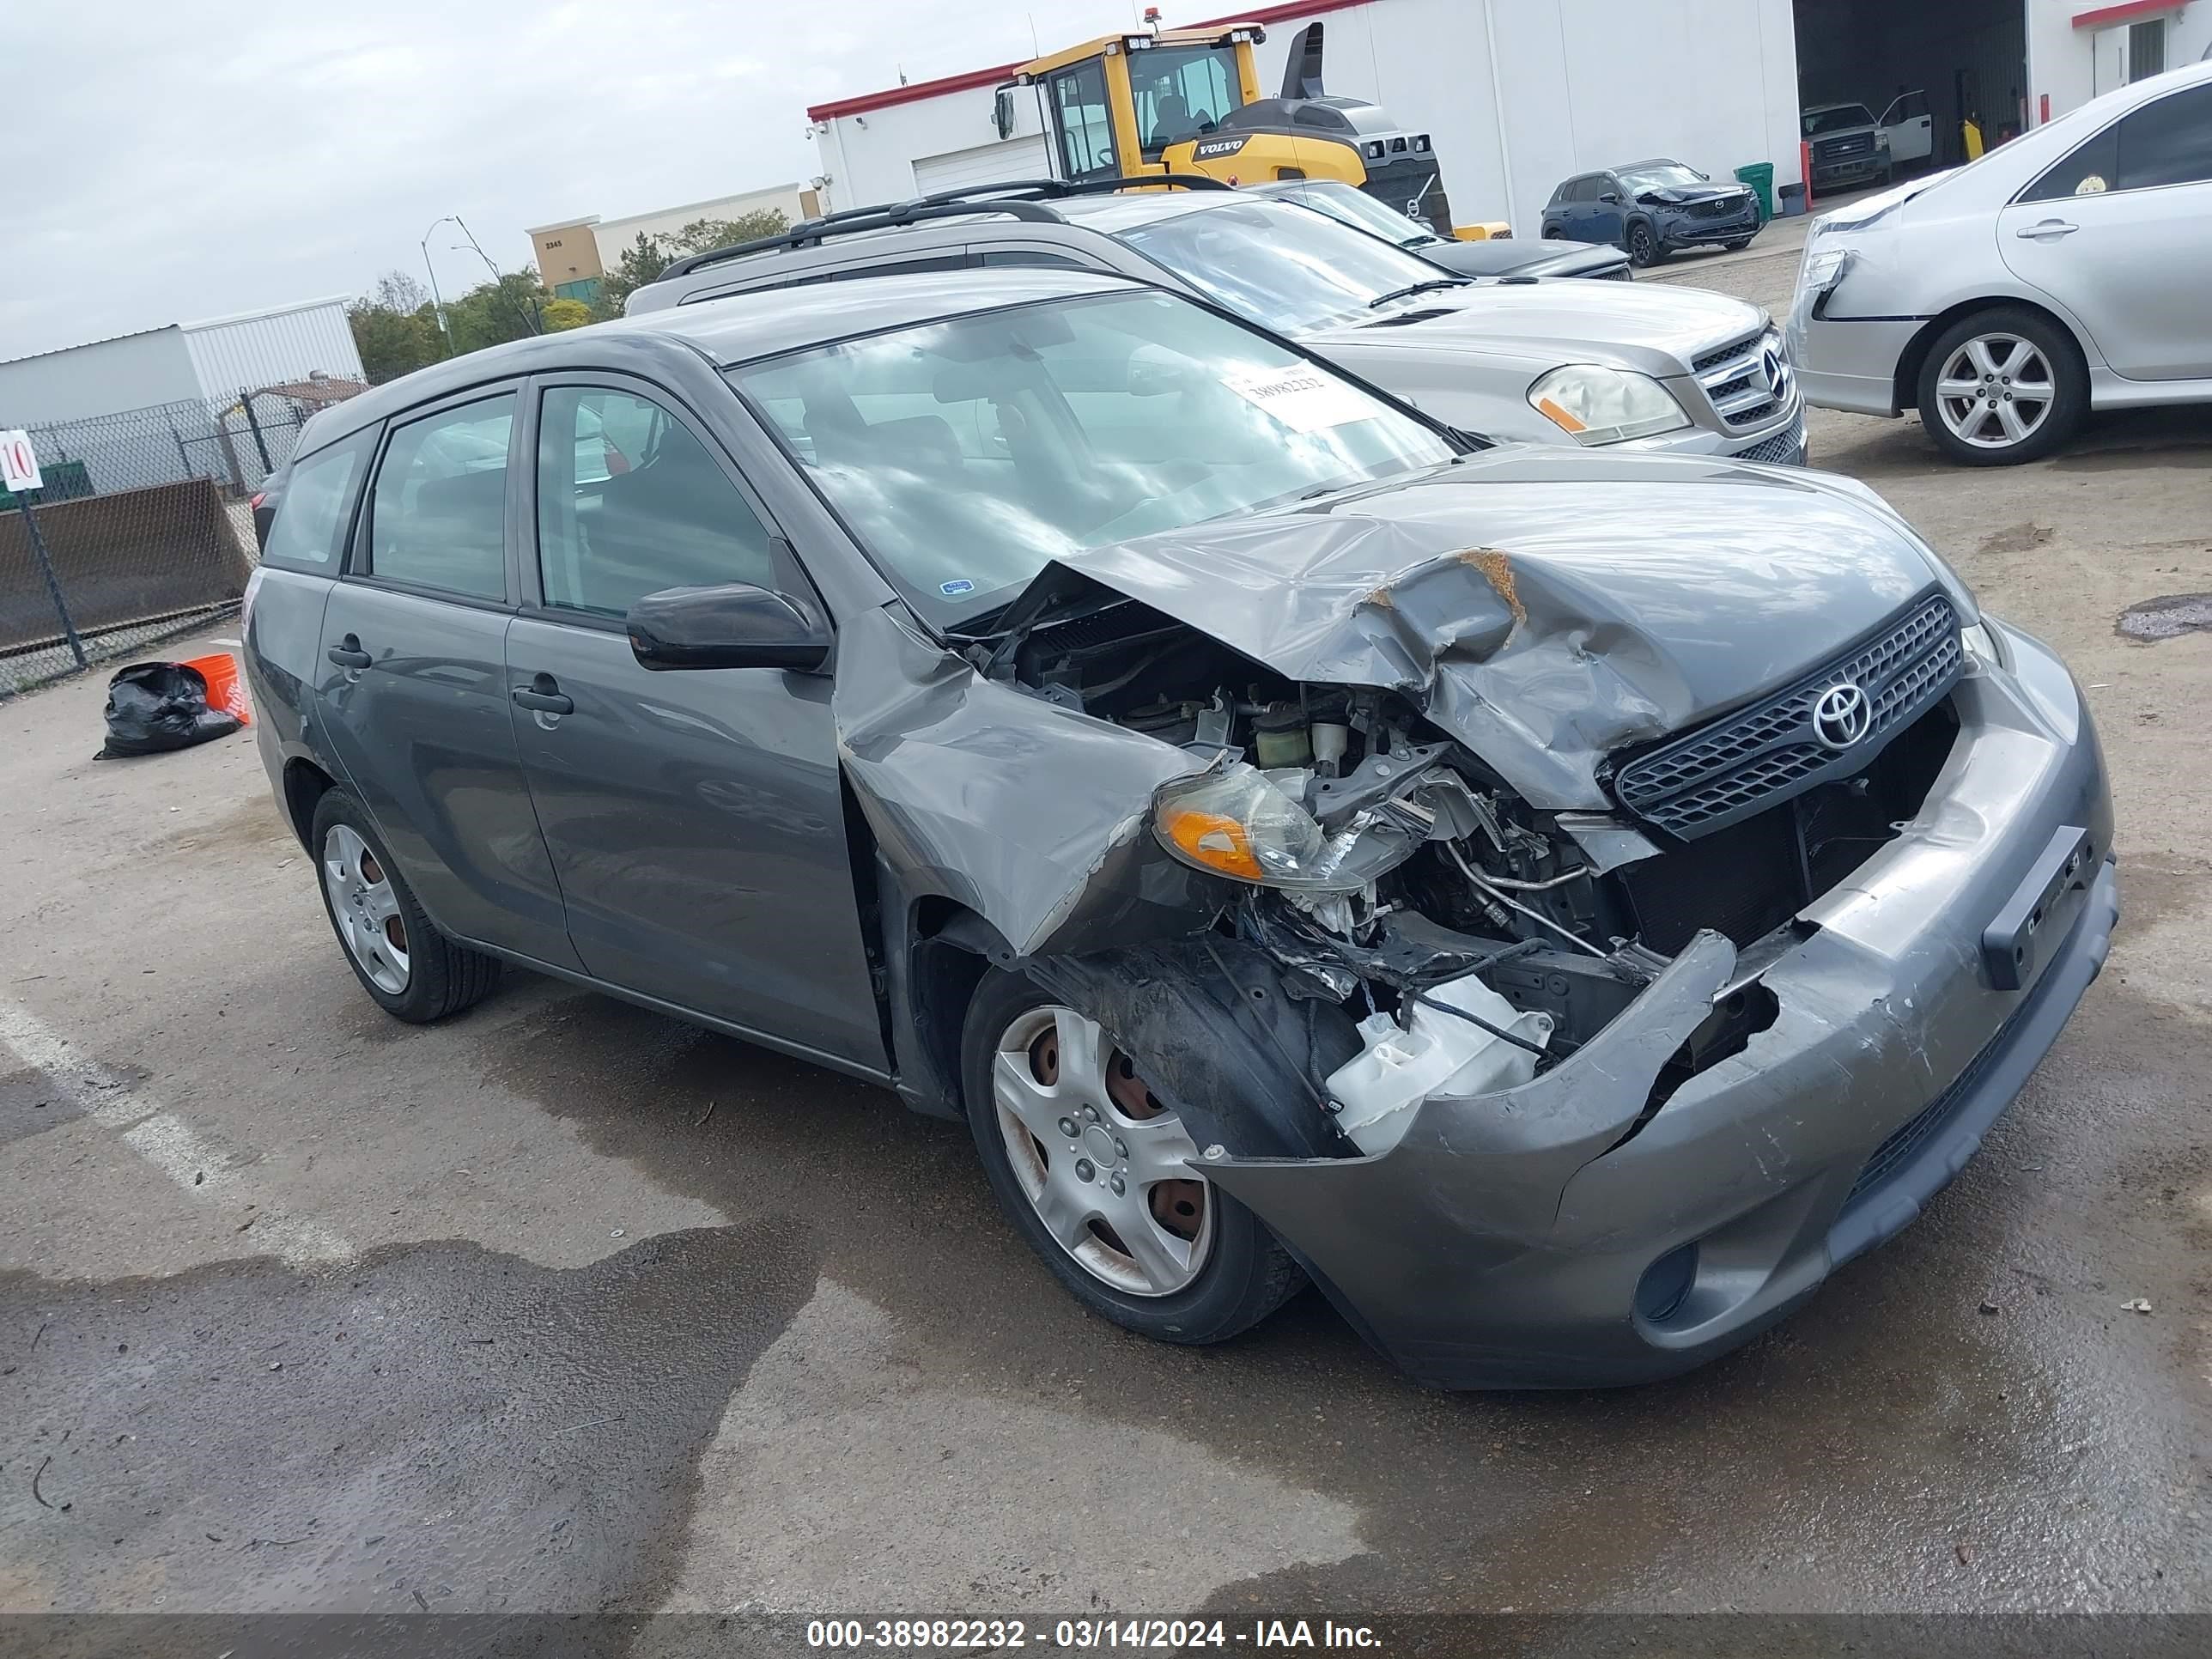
[1560, 903]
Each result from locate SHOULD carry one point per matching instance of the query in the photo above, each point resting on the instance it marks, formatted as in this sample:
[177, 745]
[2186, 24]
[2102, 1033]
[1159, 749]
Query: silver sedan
[2062, 272]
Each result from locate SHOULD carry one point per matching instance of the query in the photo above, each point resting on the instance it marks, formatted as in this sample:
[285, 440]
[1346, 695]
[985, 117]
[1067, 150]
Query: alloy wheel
[365, 909]
[1105, 1165]
[1640, 245]
[1996, 391]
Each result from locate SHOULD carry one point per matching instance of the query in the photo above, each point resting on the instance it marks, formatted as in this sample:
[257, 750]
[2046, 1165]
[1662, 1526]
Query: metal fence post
[260, 444]
[53, 583]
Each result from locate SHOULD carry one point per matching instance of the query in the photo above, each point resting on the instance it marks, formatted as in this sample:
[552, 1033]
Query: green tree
[565, 313]
[395, 328]
[645, 258]
[492, 314]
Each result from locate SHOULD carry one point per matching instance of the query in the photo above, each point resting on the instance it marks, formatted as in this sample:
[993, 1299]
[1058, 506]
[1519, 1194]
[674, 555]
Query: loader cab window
[1183, 93]
[1081, 121]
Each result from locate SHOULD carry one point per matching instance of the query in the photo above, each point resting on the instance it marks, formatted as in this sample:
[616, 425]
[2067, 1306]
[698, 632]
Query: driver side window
[629, 502]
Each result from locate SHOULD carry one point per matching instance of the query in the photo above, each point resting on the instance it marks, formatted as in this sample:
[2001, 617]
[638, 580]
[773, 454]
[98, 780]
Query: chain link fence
[144, 526]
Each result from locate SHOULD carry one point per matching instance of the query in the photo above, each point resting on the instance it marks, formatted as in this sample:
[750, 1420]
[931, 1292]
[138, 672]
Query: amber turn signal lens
[1214, 841]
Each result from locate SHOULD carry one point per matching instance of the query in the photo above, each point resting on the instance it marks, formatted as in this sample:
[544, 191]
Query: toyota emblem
[1842, 716]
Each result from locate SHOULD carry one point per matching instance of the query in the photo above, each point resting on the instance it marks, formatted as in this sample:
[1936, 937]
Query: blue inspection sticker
[953, 589]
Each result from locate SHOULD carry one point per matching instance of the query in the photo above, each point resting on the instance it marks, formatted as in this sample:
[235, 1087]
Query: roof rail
[1016, 199]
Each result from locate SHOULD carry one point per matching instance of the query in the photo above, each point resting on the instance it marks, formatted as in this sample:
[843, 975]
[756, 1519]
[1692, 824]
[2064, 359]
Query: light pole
[445, 328]
[498, 276]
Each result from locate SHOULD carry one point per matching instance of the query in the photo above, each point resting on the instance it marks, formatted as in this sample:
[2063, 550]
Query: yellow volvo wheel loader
[1187, 101]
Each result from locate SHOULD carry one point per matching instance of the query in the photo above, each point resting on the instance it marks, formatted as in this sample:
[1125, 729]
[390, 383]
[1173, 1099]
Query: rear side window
[2168, 142]
[309, 530]
[438, 516]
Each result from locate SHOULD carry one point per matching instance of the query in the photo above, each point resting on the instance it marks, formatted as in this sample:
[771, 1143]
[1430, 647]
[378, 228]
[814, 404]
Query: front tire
[2002, 387]
[1643, 249]
[414, 971]
[1091, 1169]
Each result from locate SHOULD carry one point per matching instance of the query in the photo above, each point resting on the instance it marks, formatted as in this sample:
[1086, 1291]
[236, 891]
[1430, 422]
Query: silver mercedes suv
[1676, 370]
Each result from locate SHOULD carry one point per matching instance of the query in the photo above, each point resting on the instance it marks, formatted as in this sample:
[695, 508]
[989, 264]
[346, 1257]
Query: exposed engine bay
[1474, 940]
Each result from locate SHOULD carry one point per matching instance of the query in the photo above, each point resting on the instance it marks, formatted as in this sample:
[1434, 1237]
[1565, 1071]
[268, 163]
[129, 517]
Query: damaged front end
[1560, 1009]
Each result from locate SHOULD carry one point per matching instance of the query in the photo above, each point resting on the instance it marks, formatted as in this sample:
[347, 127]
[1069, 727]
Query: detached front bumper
[1537, 1238]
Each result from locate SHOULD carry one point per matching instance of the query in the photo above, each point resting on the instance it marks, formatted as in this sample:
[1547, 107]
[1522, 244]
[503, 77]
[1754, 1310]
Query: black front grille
[1749, 878]
[1733, 349]
[1751, 760]
[1718, 206]
[1840, 149]
[1783, 449]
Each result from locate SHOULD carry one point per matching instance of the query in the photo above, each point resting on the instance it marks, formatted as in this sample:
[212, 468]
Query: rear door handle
[347, 653]
[2048, 227]
[544, 695]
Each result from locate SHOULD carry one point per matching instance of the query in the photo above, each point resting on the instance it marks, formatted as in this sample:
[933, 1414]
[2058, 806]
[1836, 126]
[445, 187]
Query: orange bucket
[225, 689]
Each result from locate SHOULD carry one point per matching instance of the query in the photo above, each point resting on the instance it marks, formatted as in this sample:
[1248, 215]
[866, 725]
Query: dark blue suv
[1652, 208]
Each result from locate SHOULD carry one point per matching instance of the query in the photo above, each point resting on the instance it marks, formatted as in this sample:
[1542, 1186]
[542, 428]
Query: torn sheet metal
[1541, 620]
[1033, 816]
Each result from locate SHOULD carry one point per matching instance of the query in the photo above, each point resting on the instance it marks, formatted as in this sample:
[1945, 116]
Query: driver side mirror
[734, 625]
[1611, 198]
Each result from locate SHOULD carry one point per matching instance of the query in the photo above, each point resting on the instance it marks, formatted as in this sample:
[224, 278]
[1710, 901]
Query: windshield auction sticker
[1303, 397]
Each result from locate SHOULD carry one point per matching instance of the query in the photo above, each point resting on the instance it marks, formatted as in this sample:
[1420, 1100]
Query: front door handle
[544, 695]
[2053, 227]
[347, 653]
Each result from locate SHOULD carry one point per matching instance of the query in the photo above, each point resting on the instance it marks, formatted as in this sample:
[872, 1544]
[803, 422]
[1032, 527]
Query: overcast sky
[177, 160]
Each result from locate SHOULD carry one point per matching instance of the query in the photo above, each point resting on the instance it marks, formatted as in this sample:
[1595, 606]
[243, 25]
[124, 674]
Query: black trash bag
[157, 706]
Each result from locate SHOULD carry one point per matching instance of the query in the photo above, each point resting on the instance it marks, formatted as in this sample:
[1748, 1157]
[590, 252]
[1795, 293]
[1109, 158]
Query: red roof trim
[865, 101]
[2105, 16]
[861, 103]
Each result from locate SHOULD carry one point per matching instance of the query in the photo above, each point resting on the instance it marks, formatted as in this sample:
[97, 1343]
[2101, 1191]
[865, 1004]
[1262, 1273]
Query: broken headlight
[1237, 823]
[1601, 405]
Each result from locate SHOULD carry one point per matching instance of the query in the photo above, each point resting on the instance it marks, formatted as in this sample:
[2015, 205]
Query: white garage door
[986, 164]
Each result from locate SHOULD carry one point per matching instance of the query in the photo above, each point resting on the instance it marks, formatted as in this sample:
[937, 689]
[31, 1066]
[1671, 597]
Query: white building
[2079, 48]
[208, 362]
[1518, 94]
[165, 403]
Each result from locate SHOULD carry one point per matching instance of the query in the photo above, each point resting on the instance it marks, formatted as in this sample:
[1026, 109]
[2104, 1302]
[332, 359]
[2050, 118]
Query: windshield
[965, 455]
[1284, 268]
[1361, 211]
[1838, 119]
[1661, 175]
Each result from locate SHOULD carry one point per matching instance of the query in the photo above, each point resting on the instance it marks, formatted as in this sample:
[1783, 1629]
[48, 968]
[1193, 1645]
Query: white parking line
[164, 1139]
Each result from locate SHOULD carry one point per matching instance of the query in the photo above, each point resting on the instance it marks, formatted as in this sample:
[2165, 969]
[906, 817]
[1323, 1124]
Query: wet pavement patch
[2167, 617]
[30, 1105]
[437, 1428]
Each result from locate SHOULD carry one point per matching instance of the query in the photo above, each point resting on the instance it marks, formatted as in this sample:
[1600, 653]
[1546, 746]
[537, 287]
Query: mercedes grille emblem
[1842, 716]
[1776, 369]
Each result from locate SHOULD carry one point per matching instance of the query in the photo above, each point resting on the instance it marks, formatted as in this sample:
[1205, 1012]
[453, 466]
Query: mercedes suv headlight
[1599, 405]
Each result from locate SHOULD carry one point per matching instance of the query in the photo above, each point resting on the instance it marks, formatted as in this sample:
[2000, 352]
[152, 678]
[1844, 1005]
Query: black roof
[737, 329]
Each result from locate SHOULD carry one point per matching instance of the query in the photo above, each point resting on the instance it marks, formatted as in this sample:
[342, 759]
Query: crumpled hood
[1655, 328]
[1683, 195]
[1546, 607]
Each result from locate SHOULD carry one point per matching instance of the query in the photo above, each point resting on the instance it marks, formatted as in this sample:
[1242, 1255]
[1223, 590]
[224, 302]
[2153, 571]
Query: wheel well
[305, 786]
[946, 941]
[1914, 357]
